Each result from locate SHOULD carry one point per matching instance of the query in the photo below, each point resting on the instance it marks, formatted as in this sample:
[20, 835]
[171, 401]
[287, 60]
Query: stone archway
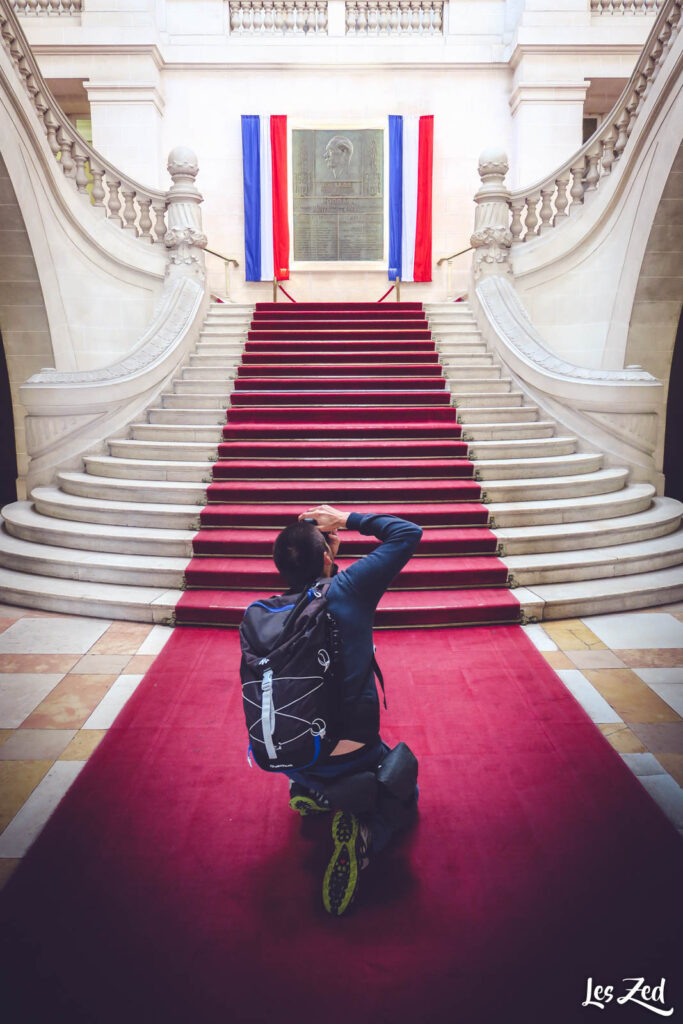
[654, 336]
[24, 329]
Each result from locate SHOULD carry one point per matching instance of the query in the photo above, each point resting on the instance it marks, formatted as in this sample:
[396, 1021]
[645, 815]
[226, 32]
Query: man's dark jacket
[352, 599]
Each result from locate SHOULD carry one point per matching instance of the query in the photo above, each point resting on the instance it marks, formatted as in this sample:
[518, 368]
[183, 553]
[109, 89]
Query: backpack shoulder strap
[380, 678]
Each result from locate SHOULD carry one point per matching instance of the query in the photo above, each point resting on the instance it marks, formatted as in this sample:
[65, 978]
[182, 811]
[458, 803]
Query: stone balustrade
[394, 17]
[278, 17]
[624, 6]
[549, 202]
[49, 7]
[128, 205]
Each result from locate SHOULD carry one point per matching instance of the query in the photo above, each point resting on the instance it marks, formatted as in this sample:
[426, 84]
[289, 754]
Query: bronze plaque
[338, 194]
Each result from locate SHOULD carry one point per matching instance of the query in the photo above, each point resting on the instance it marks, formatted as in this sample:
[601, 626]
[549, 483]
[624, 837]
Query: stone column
[126, 127]
[184, 238]
[547, 127]
[492, 237]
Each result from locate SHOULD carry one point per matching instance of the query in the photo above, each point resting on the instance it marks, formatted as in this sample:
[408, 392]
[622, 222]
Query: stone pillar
[547, 127]
[126, 127]
[184, 238]
[492, 237]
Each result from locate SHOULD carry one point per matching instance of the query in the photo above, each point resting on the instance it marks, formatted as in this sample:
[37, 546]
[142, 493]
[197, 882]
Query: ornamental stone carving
[184, 238]
[491, 238]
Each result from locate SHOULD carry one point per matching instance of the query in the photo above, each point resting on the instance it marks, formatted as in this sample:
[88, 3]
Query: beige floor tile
[101, 664]
[8, 866]
[36, 744]
[121, 638]
[5, 734]
[139, 664]
[630, 697]
[37, 662]
[660, 737]
[673, 764]
[18, 779]
[572, 635]
[5, 624]
[71, 702]
[622, 739]
[653, 657]
[595, 659]
[83, 744]
[557, 659]
[14, 611]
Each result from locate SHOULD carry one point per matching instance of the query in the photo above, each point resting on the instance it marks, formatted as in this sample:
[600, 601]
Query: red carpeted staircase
[345, 403]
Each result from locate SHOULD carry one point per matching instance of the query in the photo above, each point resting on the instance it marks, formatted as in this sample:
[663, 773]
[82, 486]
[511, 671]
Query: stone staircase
[115, 538]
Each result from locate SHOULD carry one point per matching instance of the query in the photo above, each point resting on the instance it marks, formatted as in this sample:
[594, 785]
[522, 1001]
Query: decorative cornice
[548, 92]
[124, 92]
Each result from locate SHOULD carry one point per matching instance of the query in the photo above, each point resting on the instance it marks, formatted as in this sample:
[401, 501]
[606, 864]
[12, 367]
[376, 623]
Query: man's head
[337, 155]
[302, 555]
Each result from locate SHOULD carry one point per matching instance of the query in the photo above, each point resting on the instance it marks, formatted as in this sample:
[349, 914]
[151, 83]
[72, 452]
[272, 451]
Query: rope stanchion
[286, 293]
[386, 293]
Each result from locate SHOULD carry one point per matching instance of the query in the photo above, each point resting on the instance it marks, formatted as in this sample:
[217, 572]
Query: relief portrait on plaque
[338, 194]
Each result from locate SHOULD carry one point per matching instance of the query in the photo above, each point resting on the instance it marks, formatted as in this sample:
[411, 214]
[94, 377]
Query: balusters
[351, 14]
[593, 171]
[51, 126]
[622, 136]
[405, 15]
[372, 18]
[546, 213]
[66, 145]
[279, 16]
[562, 197]
[81, 176]
[608, 151]
[631, 108]
[362, 17]
[415, 16]
[516, 226]
[114, 202]
[290, 16]
[531, 220]
[129, 214]
[145, 219]
[576, 191]
[159, 211]
[98, 192]
[322, 18]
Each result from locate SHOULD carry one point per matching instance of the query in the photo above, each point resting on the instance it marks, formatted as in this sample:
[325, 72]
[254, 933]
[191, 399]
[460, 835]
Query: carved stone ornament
[171, 319]
[505, 311]
[183, 161]
[492, 238]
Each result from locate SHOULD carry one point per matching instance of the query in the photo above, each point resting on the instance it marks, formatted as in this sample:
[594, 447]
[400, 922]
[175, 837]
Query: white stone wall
[506, 72]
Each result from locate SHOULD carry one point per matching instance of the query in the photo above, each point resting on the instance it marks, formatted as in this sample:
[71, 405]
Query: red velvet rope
[286, 293]
[386, 293]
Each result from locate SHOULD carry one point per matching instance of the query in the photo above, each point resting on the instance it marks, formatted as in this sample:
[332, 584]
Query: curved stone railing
[618, 411]
[138, 210]
[549, 202]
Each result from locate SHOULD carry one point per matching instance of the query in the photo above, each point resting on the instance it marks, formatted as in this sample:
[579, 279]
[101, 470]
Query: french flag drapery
[411, 144]
[266, 213]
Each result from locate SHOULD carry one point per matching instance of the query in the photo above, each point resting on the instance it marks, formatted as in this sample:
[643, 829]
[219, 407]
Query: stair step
[313, 355]
[23, 521]
[470, 540]
[213, 372]
[488, 399]
[468, 386]
[149, 491]
[350, 450]
[396, 608]
[300, 370]
[505, 414]
[596, 563]
[202, 386]
[176, 432]
[51, 501]
[419, 573]
[558, 487]
[516, 430]
[522, 447]
[322, 490]
[622, 501]
[542, 465]
[200, 451]
[612, 594]
[355, 382]
[399, 416]
[277, 514]
[196, 417]
[364, 430]
[662, 517]
[345, 397]
[199, 470]
[91, 566]
[341, 469]
[97, 600]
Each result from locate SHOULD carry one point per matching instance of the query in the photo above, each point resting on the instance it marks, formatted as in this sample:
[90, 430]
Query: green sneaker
[305, 802]
[351, 841]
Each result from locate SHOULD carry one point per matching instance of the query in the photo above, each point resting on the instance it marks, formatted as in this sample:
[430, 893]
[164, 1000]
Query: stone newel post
[492, 237]
[184, 237]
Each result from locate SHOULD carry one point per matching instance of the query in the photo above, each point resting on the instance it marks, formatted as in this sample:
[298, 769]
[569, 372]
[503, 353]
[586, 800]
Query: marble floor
[63, 680]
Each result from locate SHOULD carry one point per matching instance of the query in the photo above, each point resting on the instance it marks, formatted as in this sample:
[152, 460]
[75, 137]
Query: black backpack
[290, 678]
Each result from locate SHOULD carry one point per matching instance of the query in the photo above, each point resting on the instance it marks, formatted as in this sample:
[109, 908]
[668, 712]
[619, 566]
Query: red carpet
[345, 403]
[174, 885]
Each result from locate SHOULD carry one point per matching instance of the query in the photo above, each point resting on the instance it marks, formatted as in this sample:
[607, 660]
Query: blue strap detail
[316, 740]
[285, 607]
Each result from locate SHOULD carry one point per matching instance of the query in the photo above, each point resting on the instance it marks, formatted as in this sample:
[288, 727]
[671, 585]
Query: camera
[309, 519]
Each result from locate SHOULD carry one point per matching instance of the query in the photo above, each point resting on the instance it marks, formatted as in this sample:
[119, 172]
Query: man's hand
[327, 519]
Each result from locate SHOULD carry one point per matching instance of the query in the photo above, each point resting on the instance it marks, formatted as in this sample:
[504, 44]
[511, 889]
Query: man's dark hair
[298, 554]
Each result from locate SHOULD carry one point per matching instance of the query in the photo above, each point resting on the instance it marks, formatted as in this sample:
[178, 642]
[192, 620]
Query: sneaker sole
[341, 875]
[306, 805]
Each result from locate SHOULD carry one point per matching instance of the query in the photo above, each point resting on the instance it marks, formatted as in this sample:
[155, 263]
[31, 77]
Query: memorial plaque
[338, 194]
